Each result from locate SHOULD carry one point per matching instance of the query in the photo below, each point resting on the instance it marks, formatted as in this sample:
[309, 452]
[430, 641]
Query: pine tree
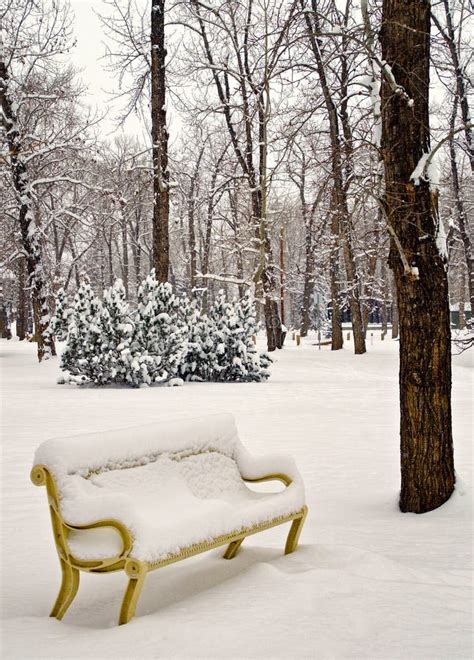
[234, 327]
[82, 356]
[160, 339]
[60, 322]
[255, 363]
[117, 331]
[199, 362]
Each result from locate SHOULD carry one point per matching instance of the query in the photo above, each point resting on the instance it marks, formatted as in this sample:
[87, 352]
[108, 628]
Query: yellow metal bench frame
[136, 570]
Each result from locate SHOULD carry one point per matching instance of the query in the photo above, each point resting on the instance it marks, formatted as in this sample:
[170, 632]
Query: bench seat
[140, 498]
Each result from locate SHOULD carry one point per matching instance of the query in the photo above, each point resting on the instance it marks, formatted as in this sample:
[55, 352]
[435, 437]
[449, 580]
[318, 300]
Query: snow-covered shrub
[256, 363]
[160, 337]
[166, 338]
[60, 321]
[117, 331]
[82, 357]
[234, 326]
[200, 362]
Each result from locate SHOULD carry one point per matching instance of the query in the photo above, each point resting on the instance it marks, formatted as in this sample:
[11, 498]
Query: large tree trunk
[159, 135]
[427, 471]
[30, 236]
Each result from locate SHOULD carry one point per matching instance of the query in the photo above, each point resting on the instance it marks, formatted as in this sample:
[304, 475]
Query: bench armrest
[126, 537]
[267, 468]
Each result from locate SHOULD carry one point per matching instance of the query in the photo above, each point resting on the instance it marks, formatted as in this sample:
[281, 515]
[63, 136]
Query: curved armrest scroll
[127, 540]
[284, 478]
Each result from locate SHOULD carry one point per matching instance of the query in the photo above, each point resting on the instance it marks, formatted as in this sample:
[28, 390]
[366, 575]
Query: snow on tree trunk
[30, 234]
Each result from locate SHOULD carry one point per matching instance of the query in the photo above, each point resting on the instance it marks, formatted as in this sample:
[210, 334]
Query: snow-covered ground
[366, 582]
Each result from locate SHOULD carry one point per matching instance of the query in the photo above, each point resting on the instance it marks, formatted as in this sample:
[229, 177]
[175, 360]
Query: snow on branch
[425, 169]
[231, 279]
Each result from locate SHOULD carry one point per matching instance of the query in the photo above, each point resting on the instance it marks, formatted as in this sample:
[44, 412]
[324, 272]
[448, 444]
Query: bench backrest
[138, 445]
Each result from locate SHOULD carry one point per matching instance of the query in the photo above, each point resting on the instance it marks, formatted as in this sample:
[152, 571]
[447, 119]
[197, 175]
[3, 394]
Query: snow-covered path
[367, 581]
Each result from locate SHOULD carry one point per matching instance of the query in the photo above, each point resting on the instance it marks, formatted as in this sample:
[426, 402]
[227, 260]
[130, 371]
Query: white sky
[88, 56]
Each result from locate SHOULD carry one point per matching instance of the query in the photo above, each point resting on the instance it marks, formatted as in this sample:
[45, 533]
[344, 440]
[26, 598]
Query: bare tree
[34, 36]
[341, 157]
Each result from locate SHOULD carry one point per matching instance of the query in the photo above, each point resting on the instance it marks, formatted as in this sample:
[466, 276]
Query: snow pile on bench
[172, 484]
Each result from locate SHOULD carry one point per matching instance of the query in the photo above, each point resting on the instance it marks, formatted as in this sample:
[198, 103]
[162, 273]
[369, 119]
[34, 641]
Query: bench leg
[136, 573]
[294, 533]
[232, 549]
[68, 590]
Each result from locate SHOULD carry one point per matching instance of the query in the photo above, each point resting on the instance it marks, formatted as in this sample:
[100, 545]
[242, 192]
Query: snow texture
[367, 582]
[172, 484]
[168, 338]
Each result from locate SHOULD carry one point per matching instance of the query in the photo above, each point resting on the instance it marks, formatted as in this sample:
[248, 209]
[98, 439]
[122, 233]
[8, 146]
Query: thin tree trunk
[340, 193]
[264, 275]
[395, 328]
[159, 134]
[191, 228]
[22, 313]
[125, 260]
[308, 284]
[208, 233]
[384, 310]
[427, 470]
[449, 36]
[337, 339]
[282, 274]
[461, 212]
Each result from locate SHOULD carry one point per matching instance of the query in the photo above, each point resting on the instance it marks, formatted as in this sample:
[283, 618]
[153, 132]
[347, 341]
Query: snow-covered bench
[140, 498]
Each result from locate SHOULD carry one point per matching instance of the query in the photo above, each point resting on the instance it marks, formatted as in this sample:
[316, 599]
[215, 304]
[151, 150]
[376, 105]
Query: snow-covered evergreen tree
[254, 362]
[117, 332]
[234, 327]
[82, 357]
[62, 315]
[200, 362]
[160, 338]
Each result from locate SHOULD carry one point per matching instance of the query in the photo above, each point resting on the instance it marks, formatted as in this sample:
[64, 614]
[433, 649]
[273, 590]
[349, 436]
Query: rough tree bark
[30, 236]
[427, 471]
[159, 135]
